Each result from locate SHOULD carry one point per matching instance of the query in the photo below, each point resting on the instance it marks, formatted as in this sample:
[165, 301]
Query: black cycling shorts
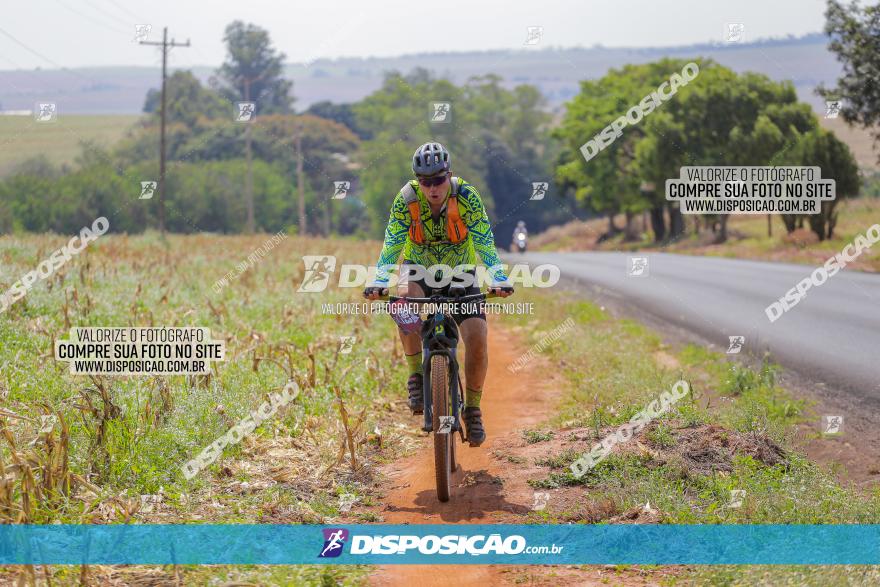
[464, 311]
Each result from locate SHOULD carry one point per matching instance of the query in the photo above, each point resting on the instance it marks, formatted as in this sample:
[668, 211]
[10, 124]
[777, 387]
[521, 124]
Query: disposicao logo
[451, 544]
[334, 540]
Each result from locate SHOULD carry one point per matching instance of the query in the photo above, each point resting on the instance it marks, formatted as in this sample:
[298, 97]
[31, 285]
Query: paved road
[832, 335]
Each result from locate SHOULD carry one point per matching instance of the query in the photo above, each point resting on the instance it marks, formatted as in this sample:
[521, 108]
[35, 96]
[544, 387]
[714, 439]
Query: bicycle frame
[440, 336]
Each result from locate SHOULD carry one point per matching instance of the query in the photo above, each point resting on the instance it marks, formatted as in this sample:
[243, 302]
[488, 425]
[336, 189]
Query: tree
[188, 101]
[610, 182]
[397, 117]
[510, 130]
[207, 196]
[719, 118]
[497, 138]
[341, 113]
[328, 149]
[821, 148]
[855, 38]
[253, 71]
[722, 118]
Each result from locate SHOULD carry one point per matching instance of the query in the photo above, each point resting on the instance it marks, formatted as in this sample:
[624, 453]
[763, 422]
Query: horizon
[39, 36]
[598, 47]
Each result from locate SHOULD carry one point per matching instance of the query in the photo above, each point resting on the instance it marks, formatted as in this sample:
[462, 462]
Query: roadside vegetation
[734, 432]
[115, 453]
[747, 237]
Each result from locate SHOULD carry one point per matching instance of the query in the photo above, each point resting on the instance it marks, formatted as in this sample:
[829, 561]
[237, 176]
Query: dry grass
[116, 451]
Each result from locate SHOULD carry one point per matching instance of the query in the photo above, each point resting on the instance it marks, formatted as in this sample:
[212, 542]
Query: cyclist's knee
[481, 354]
[478, 349]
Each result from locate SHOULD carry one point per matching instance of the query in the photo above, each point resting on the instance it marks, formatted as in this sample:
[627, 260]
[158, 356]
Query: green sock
[415, 363]
[472, 398]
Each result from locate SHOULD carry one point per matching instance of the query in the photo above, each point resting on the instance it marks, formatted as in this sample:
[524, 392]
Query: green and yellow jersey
[480, 240]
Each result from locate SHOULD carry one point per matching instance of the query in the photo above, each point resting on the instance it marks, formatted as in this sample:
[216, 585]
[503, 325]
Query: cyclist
[438, 219]
[520, 243]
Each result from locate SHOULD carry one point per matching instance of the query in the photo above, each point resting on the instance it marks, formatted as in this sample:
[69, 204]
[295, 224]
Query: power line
[32, 51]
[54, 64]
[111, 15]
[92, 19]
[127, 11]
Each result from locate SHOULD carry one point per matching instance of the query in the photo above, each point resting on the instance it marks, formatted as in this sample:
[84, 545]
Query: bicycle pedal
[471, 443]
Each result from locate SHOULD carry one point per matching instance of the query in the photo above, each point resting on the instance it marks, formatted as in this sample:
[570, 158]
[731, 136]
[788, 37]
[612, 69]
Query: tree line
[502, 140]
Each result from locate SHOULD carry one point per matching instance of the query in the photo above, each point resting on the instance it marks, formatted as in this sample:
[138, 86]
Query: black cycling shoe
[415, 387]
[473, 423]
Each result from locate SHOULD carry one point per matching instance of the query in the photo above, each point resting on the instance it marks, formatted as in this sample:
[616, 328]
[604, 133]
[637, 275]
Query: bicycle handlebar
[441, 299]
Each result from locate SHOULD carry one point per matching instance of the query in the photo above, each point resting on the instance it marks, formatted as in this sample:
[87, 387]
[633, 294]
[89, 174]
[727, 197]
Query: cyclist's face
[436, 193]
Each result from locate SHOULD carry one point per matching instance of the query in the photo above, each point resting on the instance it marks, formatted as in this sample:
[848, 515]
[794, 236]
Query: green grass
[22, 137]
[611, 373]
[608, 371]
[533, 436]
[122, 281]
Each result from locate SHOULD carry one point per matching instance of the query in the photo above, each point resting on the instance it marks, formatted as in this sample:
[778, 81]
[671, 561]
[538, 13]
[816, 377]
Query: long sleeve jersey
[480, 239]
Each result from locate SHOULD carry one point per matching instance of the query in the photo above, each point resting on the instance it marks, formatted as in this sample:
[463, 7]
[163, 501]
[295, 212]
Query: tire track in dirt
[484, 489]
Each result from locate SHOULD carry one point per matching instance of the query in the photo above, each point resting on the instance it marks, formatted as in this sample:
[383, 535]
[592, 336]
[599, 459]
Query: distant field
[22, 137]
[858, 139]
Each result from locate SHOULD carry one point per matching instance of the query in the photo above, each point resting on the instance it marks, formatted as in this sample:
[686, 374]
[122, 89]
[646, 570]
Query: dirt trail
[483, 489]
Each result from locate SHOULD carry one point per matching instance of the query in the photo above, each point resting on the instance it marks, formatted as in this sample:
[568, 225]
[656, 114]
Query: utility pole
[249, 180]
[161, 184]
[299, 179]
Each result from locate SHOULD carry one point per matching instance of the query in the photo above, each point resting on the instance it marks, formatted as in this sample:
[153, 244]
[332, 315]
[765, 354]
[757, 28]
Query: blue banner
[439, 544]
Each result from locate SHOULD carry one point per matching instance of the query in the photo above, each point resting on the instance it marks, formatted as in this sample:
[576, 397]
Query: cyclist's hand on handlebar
[375, 292]
[502, 291]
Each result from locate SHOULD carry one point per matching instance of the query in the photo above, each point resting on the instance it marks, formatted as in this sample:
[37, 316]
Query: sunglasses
[432, 181]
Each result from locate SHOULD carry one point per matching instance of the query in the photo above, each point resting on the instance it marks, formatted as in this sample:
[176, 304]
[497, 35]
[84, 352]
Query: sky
[81, 33]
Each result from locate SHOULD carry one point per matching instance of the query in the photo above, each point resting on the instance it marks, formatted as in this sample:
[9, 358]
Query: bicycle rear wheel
[443, 443]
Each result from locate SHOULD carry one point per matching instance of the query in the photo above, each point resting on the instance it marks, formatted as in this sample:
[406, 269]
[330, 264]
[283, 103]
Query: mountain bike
[443, 391]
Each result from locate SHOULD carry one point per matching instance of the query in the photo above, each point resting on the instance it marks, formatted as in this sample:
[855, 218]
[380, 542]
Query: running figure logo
[148, 188]
[346, 343]
[46, 112]
[318, 271]
[446, 423]
[832, 109]
[832, 424]
[533, 35]
[539, 190]
[735, 32]
[340, 189]
[142, 32]
[334, 540]
[638, 267]
[47, 423]
[541, 499]
[736, 498]
[441, 112]
[736, 344]
[246, 111]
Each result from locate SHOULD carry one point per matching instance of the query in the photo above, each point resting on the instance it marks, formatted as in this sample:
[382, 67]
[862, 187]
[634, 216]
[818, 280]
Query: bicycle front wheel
[441, 408]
